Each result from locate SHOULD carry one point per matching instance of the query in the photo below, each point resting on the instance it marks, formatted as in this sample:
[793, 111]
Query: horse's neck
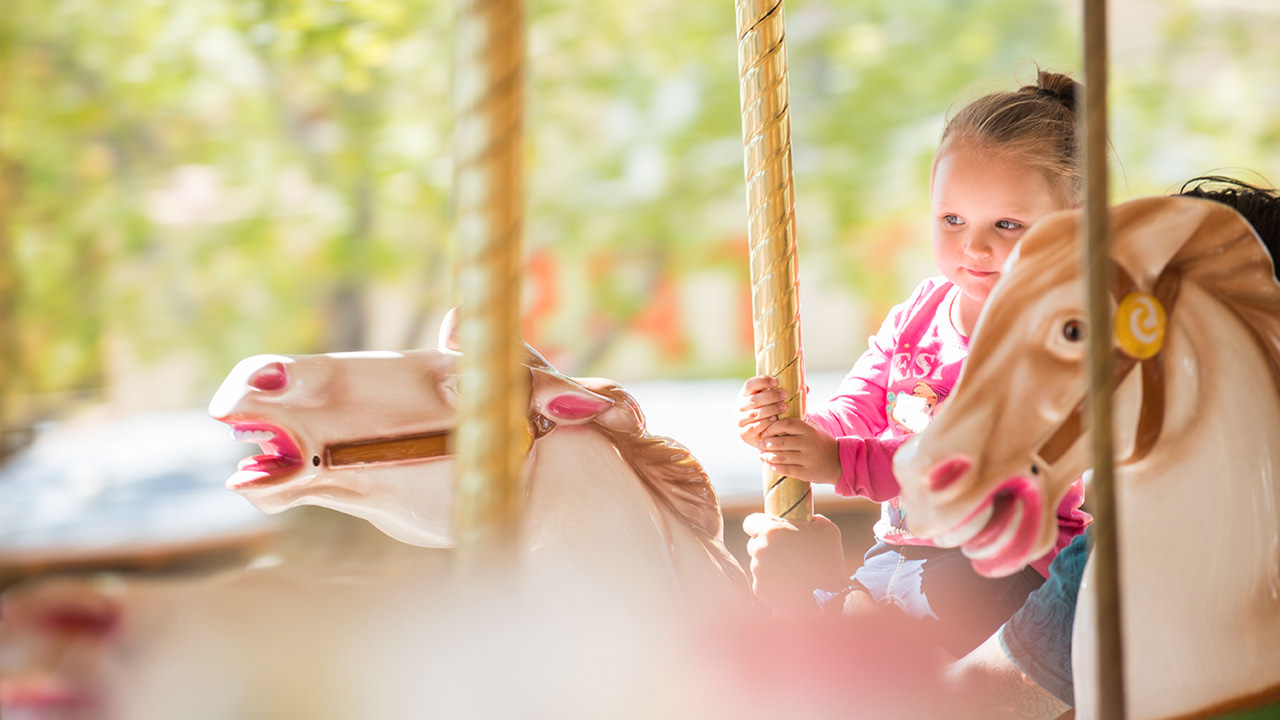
[1199, 530]
[590, 514]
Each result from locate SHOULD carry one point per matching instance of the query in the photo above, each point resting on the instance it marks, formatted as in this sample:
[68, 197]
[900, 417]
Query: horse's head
[356, 432]
[988, 473]
[368, 433]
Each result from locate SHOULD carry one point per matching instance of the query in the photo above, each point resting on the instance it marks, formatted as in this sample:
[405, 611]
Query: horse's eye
[1073, 330]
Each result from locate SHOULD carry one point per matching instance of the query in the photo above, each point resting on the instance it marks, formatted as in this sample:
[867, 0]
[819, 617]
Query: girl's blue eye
[1008, 225]
[952, 220]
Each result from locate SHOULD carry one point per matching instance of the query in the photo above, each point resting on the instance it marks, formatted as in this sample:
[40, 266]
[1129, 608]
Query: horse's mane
[1226, 258]
[671, 473]
[668, 468]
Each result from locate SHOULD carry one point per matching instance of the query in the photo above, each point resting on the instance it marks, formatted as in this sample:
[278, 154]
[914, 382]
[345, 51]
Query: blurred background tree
[186, 183]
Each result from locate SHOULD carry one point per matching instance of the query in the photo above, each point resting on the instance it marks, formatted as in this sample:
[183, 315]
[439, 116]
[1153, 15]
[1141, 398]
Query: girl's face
[982, 203]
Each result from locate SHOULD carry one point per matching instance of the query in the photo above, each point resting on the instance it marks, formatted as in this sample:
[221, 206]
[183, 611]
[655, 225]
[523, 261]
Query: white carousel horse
[1197, 351]
[367, 434]
[625, 571]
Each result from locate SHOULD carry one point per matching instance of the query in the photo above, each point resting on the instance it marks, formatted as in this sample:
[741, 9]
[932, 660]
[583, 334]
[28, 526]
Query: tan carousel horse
[1197, 367]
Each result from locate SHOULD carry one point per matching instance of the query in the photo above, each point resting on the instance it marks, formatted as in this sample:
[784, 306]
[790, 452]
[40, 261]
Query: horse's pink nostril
[270, 377]
[942, 475]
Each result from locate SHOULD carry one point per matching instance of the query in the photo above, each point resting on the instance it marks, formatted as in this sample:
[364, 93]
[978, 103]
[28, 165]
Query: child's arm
[807, 450]
[803, 450]
[839, 443]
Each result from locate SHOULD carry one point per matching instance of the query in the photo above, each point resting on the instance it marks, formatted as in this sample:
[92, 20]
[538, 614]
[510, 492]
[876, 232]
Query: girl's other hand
[790, 559]
[760, 402]
[796, 449]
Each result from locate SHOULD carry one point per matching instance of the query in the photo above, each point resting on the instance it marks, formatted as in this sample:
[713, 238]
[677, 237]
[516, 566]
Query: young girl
[1005, 160]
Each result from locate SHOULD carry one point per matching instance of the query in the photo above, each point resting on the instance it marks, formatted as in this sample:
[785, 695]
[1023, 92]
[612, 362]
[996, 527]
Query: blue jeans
[957, 608]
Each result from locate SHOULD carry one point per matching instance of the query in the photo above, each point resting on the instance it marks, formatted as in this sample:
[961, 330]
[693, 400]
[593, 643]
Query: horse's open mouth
[998, 535]
[280, 455]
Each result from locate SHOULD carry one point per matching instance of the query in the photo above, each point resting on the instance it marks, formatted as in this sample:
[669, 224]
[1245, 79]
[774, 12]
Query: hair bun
[1056, 86]
[1067, 97]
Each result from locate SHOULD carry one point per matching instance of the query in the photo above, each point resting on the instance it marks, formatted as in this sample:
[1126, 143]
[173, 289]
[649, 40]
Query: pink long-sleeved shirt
[892, 392]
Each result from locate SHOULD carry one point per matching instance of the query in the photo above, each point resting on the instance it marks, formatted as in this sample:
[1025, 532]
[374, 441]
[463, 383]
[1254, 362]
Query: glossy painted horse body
[367, 434]
[1197, 418]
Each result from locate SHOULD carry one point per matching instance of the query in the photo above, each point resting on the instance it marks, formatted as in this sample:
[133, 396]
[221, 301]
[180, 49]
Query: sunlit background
[184, 183]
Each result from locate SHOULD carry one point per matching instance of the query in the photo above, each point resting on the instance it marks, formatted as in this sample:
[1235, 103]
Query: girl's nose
[977, 244]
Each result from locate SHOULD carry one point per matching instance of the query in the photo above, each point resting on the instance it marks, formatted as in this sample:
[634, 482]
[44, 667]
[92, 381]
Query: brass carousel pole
[771, 224]
[489, 205]
[1097, 259]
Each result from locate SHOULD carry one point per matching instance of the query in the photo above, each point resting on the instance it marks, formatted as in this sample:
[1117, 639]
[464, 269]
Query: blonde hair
[1034, 125]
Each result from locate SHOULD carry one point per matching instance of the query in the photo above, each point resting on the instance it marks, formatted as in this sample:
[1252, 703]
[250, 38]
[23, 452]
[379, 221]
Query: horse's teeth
[1006, 536]
[252, 435]
[965, 532]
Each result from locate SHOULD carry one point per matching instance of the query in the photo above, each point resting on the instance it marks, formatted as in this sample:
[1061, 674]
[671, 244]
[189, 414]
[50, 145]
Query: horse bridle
[413, 447]
[1151, 415]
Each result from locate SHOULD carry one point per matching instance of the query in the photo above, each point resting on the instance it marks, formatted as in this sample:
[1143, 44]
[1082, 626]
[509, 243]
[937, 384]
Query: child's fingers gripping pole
[771, 226]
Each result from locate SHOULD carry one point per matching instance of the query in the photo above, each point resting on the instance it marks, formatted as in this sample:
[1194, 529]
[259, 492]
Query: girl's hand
[790, 559]
[760, 402]
[796, 449]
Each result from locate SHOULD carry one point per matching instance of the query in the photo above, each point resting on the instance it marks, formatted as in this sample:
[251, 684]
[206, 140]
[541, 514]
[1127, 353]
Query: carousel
[556, 559]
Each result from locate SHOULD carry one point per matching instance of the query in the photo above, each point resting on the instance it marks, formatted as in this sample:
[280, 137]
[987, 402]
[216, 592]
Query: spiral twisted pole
[488, 87]
[771, 224]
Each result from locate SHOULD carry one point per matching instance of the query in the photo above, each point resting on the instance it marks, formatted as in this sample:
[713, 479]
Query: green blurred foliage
[195, 181]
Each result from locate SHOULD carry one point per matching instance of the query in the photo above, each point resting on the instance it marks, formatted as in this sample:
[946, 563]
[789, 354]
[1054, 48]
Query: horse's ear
[448, 338]
[625, 414]
[563, 400]
[1150, 234]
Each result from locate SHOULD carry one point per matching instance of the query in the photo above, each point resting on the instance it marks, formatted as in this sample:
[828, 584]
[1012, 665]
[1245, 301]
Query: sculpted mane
[668, 470]
[1233, 265]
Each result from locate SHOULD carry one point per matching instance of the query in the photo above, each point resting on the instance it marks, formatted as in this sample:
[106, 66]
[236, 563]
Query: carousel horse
[367, 434]
[624, 570]
[1197, 407]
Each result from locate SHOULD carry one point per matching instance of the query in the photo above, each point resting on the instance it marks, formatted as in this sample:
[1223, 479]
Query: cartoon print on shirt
[913, 411]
